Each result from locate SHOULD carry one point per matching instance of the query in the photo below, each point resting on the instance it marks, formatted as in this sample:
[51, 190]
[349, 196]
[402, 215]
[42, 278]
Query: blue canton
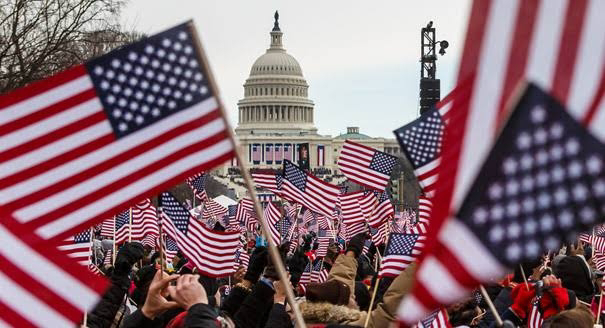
[383, 162]
[198, 182]
[175, 211]
[543, 182]
[82, 237]
[295, 175]
[401, 244]
[421, 139]
[149, 80]
[122, 219]
[171, 244]
[428, 321]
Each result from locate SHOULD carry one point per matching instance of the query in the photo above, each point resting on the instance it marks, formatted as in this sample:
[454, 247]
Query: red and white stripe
[266, 181]
[440, 321]
[210, 251]
[79, 252]
[392, 265]
[380, 237]
[245, 206]
[560, 45]
[319, 196]
[350, 207]
[354, 162]
[535, 319]
[272, 216]
[597, 242]
[107, 227]
[213, 209]
[144, 220]
[41, 285]
[61, 165]
[382, 212]
[425, 207]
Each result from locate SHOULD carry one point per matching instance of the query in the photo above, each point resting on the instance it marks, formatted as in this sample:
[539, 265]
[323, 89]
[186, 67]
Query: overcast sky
[360, 58]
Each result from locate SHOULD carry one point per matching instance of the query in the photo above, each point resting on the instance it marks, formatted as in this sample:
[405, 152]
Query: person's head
[528, 269]
[578, 317]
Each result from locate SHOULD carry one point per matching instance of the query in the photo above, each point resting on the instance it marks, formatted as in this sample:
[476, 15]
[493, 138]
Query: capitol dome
[275, 94]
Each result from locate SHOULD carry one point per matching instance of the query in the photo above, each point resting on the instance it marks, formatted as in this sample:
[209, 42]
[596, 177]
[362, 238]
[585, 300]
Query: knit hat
[332, 291]
[572, 272]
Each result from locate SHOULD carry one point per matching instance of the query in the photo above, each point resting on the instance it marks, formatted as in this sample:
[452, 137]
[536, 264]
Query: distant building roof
[353, 134]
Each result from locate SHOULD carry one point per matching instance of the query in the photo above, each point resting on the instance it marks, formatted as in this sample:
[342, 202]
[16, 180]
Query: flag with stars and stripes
[541, 184]
[379, 235]
[242, 259]
[42, 285]
[107, 227]
[144, 220]
[437, 319]
[272, 215]
[122, 227]
[319, 274]
[402, 250]
[244, 208]
[308, 190]
[365, 165]
[210, 251]
[86, 143]
[212, 209]
[421, 140]
[535, 319]
[283, 227]
[383, 210]
[323, 240]
[268, 181]
[596, 241]
[196, 183]
[305, 278]
[78, 247]
[170, 247]
[350, 207]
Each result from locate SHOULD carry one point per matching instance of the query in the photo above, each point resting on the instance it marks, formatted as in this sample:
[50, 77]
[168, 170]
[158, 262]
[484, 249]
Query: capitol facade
[276, 116]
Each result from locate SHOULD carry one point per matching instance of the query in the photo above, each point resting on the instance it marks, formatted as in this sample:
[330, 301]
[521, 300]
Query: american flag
[402, 250]
[382, 211]
[283, 226]
[171, 248]
[278, 154]
[293, 211]
[244, 207]
[268, 181]
[122, 226]
[308, 216]
[212, 209]
[242, 258]
[366, 166]
[323, 239]
[293, 242]
[269, 153]
[251, 223]
[43, 287]
[319, 274]
[150, 240]
[288, 152]
[272, 215]
[210, 251]
[535, 319]
[305, 278]
[437, 319]
[597, 242]
[78, 247]
[323, 221]
[379, 235]
[542, 183]
[308, 190]
[425, 208]
[83, 144]
[421, 140]
[256, 153]
[196, 183]
[599, 260]
[107, 227]
[144, 220]
[351, 209]
[108, 259]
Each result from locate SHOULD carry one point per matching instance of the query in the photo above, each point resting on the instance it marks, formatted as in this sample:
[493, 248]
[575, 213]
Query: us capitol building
[276, 115]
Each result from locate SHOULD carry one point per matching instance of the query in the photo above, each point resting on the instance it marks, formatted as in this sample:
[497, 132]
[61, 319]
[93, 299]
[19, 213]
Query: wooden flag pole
[600, 304]
[524, 278]
[130, 225]
[491, 305]
[114, 247]
[158, 211]
[369, 313]
[273, 251]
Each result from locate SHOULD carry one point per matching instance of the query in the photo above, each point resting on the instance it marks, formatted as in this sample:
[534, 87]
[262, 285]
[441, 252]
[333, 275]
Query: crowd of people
[142, 294]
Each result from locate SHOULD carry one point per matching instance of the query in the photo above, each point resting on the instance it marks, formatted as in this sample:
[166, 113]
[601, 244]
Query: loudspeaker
[429, 93]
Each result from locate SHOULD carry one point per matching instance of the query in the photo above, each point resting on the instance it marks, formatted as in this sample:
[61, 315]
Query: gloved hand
[128, 255]
[522, 298]
[356, 243]
[258, 262]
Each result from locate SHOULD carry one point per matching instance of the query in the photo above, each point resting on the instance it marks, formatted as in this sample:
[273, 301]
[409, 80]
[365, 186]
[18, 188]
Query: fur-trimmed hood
[323, 312]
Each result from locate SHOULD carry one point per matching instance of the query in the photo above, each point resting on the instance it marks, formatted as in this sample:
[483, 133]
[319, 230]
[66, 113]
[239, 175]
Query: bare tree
[41, 37]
